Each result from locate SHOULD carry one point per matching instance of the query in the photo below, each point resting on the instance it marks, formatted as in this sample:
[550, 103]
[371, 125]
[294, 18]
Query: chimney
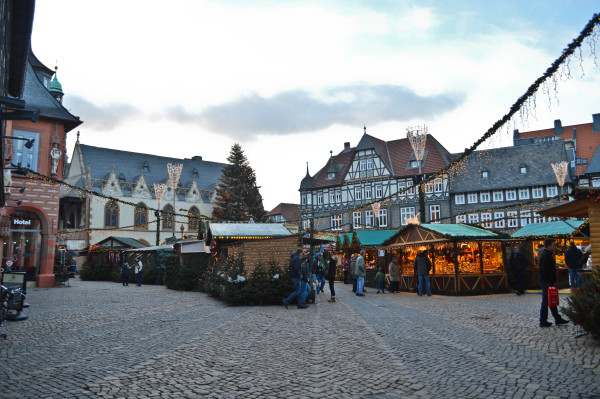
[516, 136]
[596, 123]
[347, 146]
[558, 129]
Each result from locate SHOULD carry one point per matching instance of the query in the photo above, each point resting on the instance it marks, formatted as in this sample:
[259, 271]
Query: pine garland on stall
[584, 309]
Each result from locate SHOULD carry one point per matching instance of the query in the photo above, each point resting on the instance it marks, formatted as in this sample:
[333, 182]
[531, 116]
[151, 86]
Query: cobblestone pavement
[103, 340]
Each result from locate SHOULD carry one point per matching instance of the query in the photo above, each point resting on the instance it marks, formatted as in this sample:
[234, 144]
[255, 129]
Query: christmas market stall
[371, 241]
[465, 259]
[260, 243]
[110, 251]
[564, 231]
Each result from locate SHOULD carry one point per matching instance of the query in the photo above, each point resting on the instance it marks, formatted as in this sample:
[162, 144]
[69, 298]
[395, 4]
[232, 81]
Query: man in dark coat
[573, 260]
[519, 263]
[422, 266]
[547, 264]
[296, 276]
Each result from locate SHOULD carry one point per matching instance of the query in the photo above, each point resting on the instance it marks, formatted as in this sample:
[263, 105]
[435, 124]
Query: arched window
[167, 217]
[140, 218]
[111, 214]
[193, 220]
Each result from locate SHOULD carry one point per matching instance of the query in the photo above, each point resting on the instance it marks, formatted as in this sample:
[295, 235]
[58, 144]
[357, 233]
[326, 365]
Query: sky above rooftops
[292, 80]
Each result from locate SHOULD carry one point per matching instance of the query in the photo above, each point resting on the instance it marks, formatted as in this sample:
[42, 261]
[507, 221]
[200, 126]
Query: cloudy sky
[293, 80]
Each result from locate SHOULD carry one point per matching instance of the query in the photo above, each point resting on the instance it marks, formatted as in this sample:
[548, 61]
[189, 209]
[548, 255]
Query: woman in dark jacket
[331, 276]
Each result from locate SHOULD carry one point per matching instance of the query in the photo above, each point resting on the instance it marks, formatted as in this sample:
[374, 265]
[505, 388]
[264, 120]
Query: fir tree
[238, 198]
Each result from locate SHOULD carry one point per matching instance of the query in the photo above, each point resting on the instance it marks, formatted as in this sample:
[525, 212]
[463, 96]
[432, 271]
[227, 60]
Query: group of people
[305, 272]
[126, 270]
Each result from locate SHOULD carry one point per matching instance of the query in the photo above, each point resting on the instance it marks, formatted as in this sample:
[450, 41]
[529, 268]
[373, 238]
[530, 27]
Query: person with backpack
[125, 270]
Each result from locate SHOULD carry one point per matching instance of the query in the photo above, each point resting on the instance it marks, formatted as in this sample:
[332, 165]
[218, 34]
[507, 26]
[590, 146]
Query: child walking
[380, 280]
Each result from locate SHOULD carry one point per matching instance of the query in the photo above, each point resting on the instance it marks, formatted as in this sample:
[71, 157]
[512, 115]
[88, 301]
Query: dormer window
[146, 167]
[523, 169]
[195, 173]
[121, 178]
[485, 174]
[330, 175]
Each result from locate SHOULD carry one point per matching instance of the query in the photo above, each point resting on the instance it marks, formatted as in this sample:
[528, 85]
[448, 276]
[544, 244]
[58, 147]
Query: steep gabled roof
[506, 161]
[287, 211]
[130, 164]
[343, 160]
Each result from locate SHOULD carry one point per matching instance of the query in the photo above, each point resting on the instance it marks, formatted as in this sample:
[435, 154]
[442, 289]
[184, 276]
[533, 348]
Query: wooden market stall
[111, 250]
[564, 231]
[464, 258]
[371, 241]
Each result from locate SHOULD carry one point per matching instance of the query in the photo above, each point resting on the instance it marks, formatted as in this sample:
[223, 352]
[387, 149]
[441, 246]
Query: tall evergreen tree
[238, 197]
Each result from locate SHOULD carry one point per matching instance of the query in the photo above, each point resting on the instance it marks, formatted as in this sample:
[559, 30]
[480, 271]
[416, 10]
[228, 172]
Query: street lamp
[159, 190]
[28, 144]
[174, 171]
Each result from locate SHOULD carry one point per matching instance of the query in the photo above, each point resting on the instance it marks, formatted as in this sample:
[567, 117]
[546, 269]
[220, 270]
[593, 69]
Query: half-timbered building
[373, 185]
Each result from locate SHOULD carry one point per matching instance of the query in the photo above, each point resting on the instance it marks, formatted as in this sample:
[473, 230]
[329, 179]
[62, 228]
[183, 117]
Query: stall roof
[575, 208]
[428, 233]
[557, 228]
[238, 230]
[124, 242]
[372, 238]
[156, 248]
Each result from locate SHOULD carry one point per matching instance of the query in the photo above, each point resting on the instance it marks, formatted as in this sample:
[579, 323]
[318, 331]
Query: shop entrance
[23, 250]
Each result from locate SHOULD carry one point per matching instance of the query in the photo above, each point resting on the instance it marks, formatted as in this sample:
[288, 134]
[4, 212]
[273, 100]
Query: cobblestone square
[103, 340]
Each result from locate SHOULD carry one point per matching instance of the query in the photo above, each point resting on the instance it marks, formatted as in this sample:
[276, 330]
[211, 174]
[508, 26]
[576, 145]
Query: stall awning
[549, 229]
[372, 238]
[229, 231]
[433, 233]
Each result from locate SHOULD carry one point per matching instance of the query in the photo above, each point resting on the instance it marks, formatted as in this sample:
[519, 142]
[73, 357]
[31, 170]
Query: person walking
[380, 280]
[346, 270]
[138, 272]
[573, 260]
[353, 272]
[422, 266]
[331, 276]
[361, 273]
[125, 270]
[295, 275]
[394, 275]
[519, 263]
[547, 262]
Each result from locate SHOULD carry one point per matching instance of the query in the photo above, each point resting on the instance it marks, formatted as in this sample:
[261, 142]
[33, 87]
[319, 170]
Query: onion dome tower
[56, 87]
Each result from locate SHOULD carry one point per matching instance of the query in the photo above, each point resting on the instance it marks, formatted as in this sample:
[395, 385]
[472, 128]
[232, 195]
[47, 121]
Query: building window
[429, 188]
[485, 174]
[523, 169]
[332, 197]
[370, 164]
[111, 214]
[369, 219]
[306, 224]
[408, 212]
[438, 185]
[383, 218]
[435, 213]
[461, 219]
[511, 195]
[551, 191]
[472, 197]
[167, 217]
[194, 220]
[512, 219]
[459, 199]
[402, 188]
[486, 220]
[499, 220]
[411, 189]
[473, 218]
[303, 199]
[537, 218]
[498, 196]
[140, 217]
[356, 219]
[146, 168]
[319, 198]
[525, 218]
[338, 197]
[537, 192]
[523, 193]
[485, 196]
[363, 165]
[378, 191]
[23, 156]
[336, 222]
[330, 175]
[358, 194]
[368, 193]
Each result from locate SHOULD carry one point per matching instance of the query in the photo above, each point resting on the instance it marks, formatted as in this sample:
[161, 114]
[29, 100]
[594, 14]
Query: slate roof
[506, 161]
[125, 242]
[548, 229]
[594, 166]
[130, 165]
[37, 96]
[396, 155]
[248, 230]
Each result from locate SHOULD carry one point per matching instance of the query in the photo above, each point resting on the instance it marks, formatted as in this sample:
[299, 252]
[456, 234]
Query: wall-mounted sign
[22, 222]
